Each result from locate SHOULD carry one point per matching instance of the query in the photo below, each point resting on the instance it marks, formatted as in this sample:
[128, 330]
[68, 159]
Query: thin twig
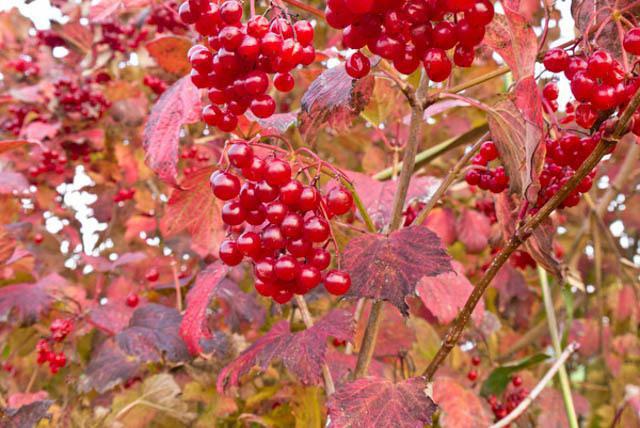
[176, 284]
[329, 386]
[356, 318]
[565, 386]
[312, 10]
[524, 404]
[522, 234]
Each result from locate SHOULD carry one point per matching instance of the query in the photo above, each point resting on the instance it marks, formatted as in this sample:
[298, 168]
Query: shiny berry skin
[475, 360]
[240, 155]
[308, 277]
[278, 172]
[316, 229]
[600, 64]
[257, 26]
[283, 82]
[556, 60]
[266, 192]
[282, 296]
[437, 64]
[271, 44]
[132, 300]
[309, 199]
[319, 258]
[337, 282]
[152, 275]
[290, 192]
[304, 32]
[255, 171]
[272, 238]
[358, 65]
[228, 122]
[299, 247]
[233, 214]
[275, 212]
[292, 225]
[225, 185]
[286, 268]
[489, 151]
[481, 13]
[231, 12]
[264, 269]
[516, 381]
[263, 106]
[38, 238]
[229, 253]
[550, 91]
[631, 42]
[212, 115]
[339, 201]
[472, 375]
[266, 289]
[249, 244]
[463, 56]
[472, 177]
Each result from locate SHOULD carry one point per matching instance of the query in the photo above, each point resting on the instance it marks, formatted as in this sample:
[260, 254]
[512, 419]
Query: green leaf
[500, 377]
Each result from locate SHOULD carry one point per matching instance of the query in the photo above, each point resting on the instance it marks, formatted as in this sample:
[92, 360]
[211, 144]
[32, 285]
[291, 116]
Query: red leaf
[111, 318]
[178, 105]
[25, 302]
[39, 131]
[443, 223]
[104, 10]
[444, 295]
[513, 38]
[342, 365]
[239, 306]
[193, 327]
[377, 196]
[12, 182]
[377, 402]
[137, 224]
[170, 52]
[389, 267]
[6, 145]
[276, 124]
[20, 399]
[511, 285]
[26, 416]
[473, 229]
[591, 13]
[553, 413]
[303, 353]
[334, 98]
[195, 196]
[460, 406]
[394, 337]
[102, 264]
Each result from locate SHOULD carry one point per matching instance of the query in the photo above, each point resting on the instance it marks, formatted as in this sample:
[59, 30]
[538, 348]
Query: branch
[365, 353]
[177, 286]
[329, 386]
[312, 10]
[524, 404]
[565, 386]
[523, 232]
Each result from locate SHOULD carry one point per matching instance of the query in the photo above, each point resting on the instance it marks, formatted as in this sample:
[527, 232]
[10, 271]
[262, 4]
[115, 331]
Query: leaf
[473, 229]
[111, 318]
[378, 402]
[6, 145]
[302, 353]
[444, 295]
[592, 13]
[516, 128]
[170, 52]
[77, 35]
[104, 10]
[443, 223]
[395, 336]
[276, 124]
[389, 267]
[461, 407]
[193, 327]
[38, 131]
[26, 416]
[377, 196]
[195, 196]
[442, 106]
[25, 302]
[511, 285]
[102, 264]
[513, 38]
[334, 98]
[11, 182]
[178, 105]
[500, 377]
[239, 306]
[553, 414]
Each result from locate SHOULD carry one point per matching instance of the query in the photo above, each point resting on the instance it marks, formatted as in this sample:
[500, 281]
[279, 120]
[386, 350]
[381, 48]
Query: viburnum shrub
[342, 213]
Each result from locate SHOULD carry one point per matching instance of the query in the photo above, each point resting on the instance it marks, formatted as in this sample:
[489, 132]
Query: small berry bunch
[163, 16]
[60, 328]
[124, 194]
[25, 66]
[522, 259]
[488, 208]
[240, 56]
[494, 180]
[411, 32]
[511, 399]
[52, 161]
[50, 38]
[156, 84]
[279, 223]
[80, 99]
[195, 158]
[122, 37]
[17, 114]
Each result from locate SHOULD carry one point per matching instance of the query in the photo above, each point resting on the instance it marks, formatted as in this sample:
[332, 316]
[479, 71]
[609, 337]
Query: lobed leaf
[500, 377]
[461, 407]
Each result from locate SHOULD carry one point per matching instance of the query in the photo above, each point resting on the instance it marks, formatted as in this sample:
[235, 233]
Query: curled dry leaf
[389, 267]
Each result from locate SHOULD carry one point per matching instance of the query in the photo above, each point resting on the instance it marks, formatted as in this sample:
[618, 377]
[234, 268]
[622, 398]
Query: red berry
[275, 212]
[600, 64]
[282, 296]
[472, 375]
[556, 60]
[231, 12]
[267, 289]
[240, 155]
[265, 192]
[358, 65]
[475, 360]
[229, 253]
[38, 238]
[292, 225]
[286, 268]
[283, 82]
[339, 201]
[304, 32]
[233, 214]
[631, 41]
[132, 300]
[488, 150]
[320, 258]
[249, 244]
[225, 185]
[278, 172]
[463, 56]
[309, 199]
[257, 26]
[308, 277]
[152, 275]
[316, 229]
[437, 64]
[290, 192]
[551, 91]
[263, 106]
[272, 238]
[264, 269]
[516, 381]
[337, 282]
[481, 13]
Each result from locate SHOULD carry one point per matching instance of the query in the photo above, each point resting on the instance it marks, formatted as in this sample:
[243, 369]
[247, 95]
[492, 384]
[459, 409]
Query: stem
[524, 404]
[176, 283]
[308, 322]
[312, 10]
[522, 233]
[448, 180]
[356, 317]
[360, 206]
[373, 324]
[565, 386]
[471, 82]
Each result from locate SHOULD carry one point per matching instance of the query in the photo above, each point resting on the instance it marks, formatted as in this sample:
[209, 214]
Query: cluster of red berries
[164, 17]
[194, 158]
[240, 56]
[25, 66]
[16, 117]
[60, 329]
[411, 32]
[122, 37]
[156, 84]
[80, 98]
[278, 223]
[488, 208]
[50, 38]
[124, 194]
[78, 151]
[51, 161]
[522, 259]
[511, 400]
[494, 180]
[598, 83]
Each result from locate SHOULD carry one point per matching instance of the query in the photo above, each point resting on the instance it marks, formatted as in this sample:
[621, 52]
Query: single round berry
[229, 253]
[309, 199]
[551, 91]
[286, 268]
[292, 226]
[263, 106]
[316, 229]
[358, 65]
[472, 375]
[264, 269]
[152, 275]
[233, 214]
[290, 192]
[231, 12]
[299, 247]
[265, 288]
[339, 201]
[240, 155]
[266, 192]
[337, 282]
[437, 64]
[308, 277]
[278, 172]
[631, 42]
[475, 360]
[249, 244]
[320, 258]
[132, 300]
[489, 151]
[556, 60]
[225, 185]
[283, 82]
[516, 381]
[272, 238]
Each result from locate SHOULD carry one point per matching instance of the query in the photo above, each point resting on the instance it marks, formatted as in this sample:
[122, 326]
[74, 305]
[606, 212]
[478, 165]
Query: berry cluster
[16, 117]
[120, 37]
[51, 161]
[124, 194]
[488, 208]
[60, 329]
[522, 259]
[240, 56]
[410, 32]
[194, 158]
[164, 17]
[80, 99]
[494, 180]
[50, 38]
[156, 84]
[25, 66]
[511, 400]
[286, 225]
